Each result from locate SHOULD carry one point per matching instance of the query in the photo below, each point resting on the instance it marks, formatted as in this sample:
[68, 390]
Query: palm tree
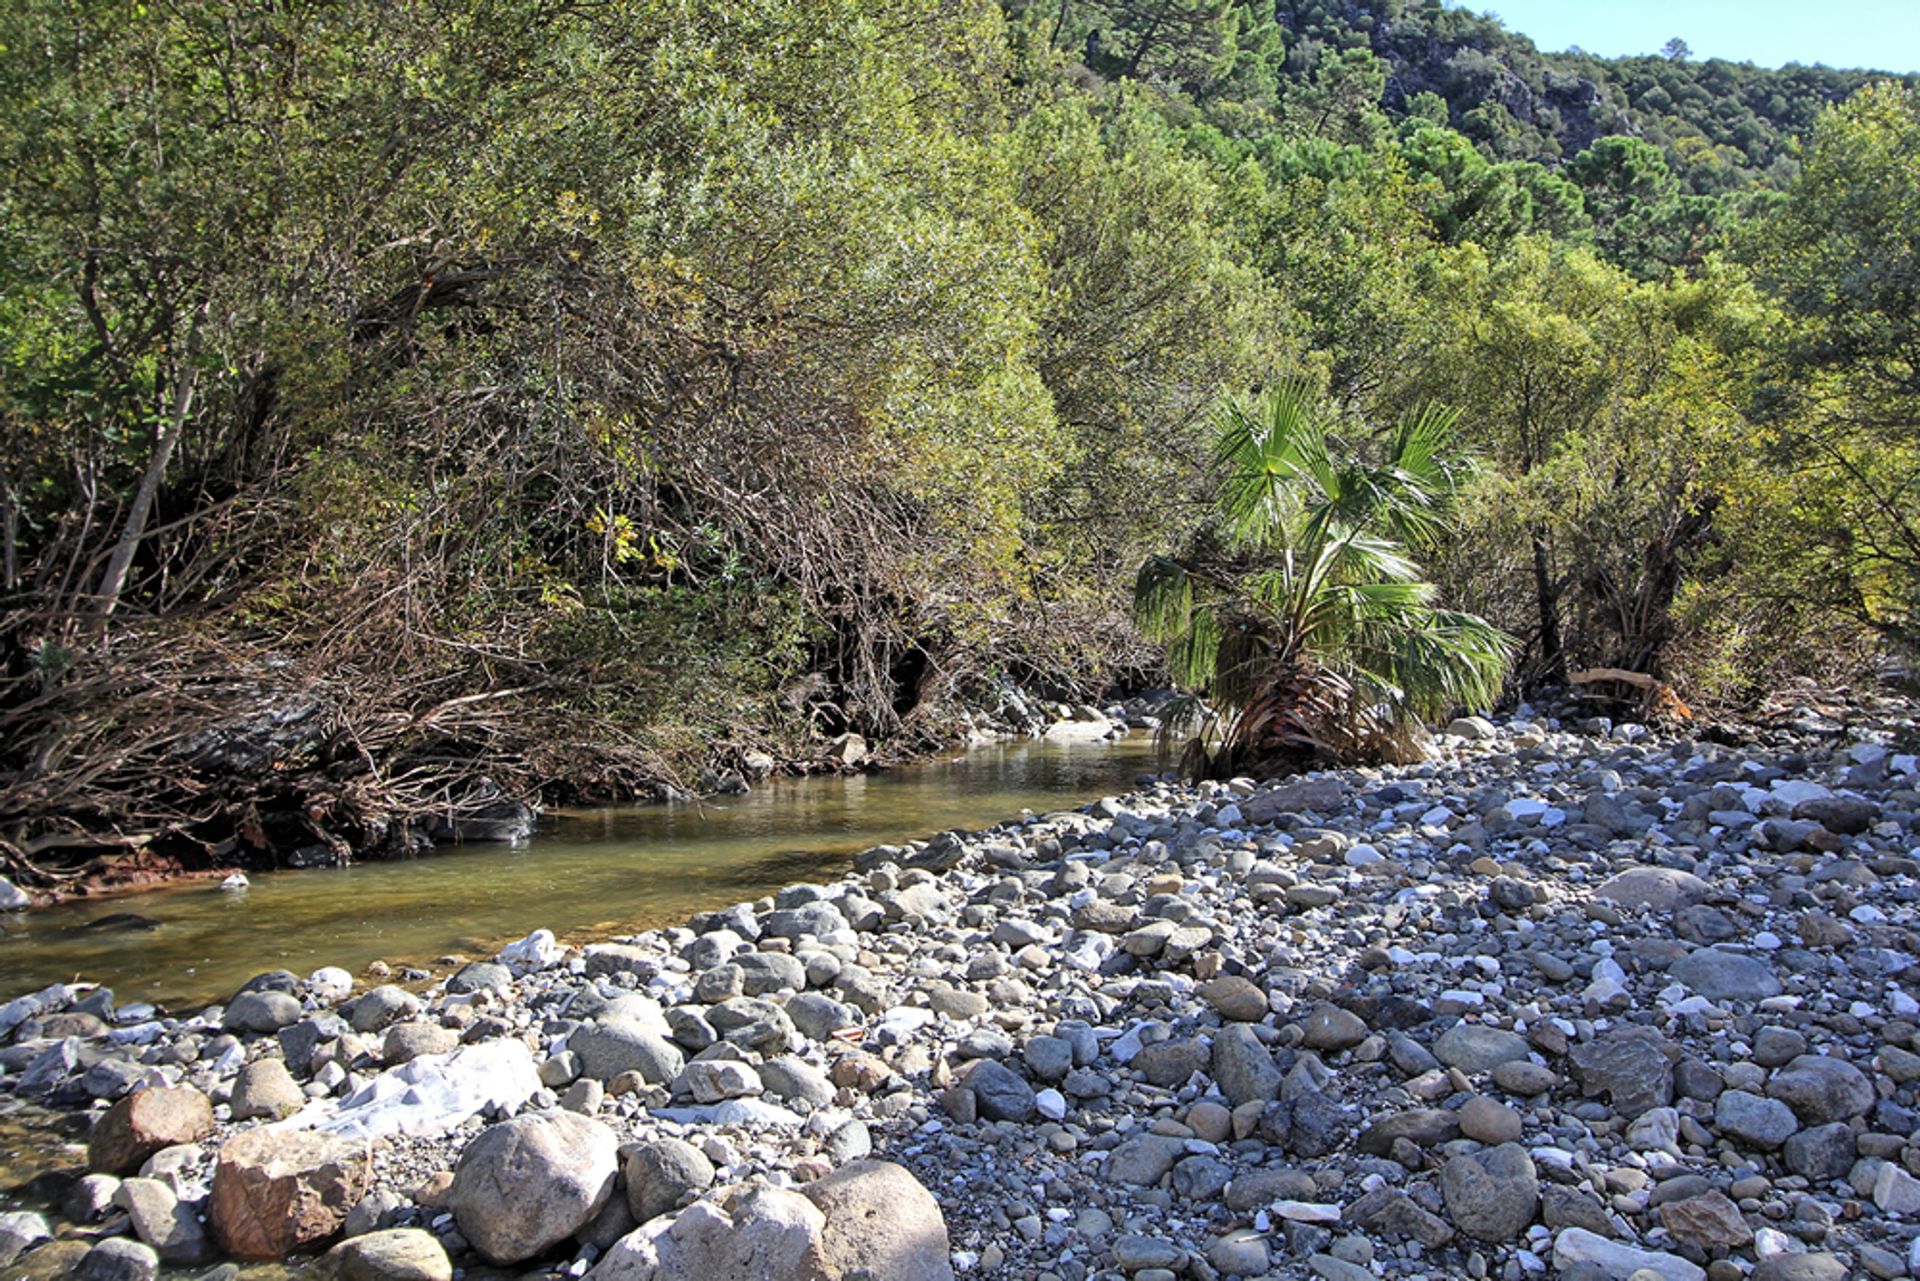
[1301, 615]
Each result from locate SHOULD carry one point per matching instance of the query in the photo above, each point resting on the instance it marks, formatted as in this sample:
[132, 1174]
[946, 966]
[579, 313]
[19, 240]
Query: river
[585, 875]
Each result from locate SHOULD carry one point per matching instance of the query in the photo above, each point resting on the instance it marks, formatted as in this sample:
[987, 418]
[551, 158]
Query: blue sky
[1880, 34]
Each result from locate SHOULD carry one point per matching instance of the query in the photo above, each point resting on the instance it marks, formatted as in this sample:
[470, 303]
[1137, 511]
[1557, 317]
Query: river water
[585, 875]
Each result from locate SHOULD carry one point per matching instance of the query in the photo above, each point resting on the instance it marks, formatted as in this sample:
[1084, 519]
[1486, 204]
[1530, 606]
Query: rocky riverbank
[1556, 1003]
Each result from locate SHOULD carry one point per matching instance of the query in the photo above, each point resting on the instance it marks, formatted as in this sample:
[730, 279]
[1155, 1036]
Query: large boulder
[527, 1184]
[278, 1191]
[881, 1219]
[144, 1122]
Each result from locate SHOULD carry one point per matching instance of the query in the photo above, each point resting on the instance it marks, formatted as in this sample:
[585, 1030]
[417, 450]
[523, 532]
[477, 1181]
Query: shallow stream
[585, 875]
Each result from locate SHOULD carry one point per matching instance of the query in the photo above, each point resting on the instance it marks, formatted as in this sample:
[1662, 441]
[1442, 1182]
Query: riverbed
[585, 874]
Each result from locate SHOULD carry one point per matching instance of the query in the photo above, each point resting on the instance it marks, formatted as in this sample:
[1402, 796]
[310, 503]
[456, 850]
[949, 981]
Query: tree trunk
[114, 580]
[9, 535]
[1553, 659]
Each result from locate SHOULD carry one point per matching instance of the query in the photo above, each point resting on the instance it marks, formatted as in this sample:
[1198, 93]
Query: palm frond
[1163, 599]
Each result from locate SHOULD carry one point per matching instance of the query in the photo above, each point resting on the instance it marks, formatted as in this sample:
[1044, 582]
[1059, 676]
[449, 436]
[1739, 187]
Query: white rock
[1617, 1260]
[12, 897]
[330, 983]
[1896, 1191]
[430, 1096]
[1052, 1104]
[1361, 855]
[1789, 792]
[536, 951]
[237, 881]
[1307, 1212]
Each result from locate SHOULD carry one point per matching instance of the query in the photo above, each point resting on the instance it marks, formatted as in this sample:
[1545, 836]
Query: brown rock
[275, 1192]
[1706, 1221]
[144, 1122]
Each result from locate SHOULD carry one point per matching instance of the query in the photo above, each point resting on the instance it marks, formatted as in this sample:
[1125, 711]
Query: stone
[819, 1016]
[1490, 1121]
[1720, 975]
[1241, 1252]
[1235, 998]
[405, 1042]
[262, 1011]
[481, 976]
[163, 1222]
[265, 1088]
[879, 1218]
[118, 1259]
[1799, 1267]
[1491, 1195]
[610, 1048]
[759, 1232]
[1134, 1253]
[529, 1183]
[1628, 1065]
[1706, 1222]
[661, 1173]
[1423, 1127]
[1617, 1261]
[382, 1006]
[1822, 1089]
[144, 1122]
[1171, 1063]
[397, 1254]
[1475, 1048]
[1391, 1213]
[712, 1080]
[796, 1080]
[278, 1191]
[999, 1092]
[1328, 1027]
[1565, 1207]
[1821, 1152]
[1844, 815]
[1763, 1122]
[1896, 1191]
[1144, 1159]
[1243, 1067]
[21, 1230]
[1661, 889]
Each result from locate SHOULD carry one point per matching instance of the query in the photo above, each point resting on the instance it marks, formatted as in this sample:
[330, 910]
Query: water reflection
[591, 872]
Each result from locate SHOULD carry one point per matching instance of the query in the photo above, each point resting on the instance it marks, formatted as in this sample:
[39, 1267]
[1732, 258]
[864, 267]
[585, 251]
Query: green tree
[1843, 254]
[1301, 614]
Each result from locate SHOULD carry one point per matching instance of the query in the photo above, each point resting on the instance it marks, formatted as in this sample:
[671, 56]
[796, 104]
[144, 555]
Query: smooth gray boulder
[528, 1184]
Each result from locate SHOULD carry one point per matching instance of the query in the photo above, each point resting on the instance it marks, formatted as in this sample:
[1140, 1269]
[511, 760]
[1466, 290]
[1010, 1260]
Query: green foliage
[1301, 613]
[1843, 254]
